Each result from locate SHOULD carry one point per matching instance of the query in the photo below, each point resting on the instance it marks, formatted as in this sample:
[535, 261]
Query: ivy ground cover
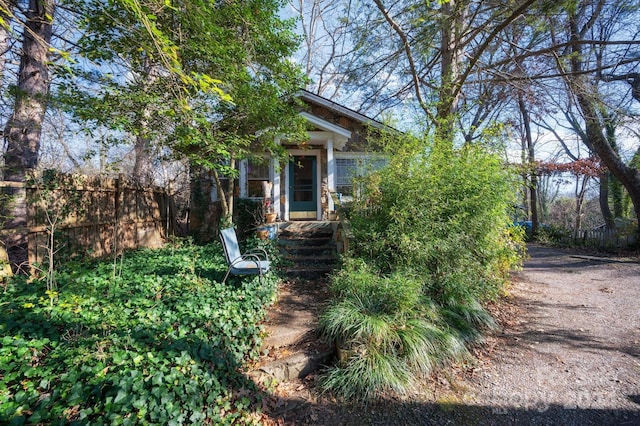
[153, 338]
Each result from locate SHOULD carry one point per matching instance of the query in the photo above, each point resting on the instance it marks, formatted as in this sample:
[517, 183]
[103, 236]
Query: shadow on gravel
[564, 262]
[567, 337]
[396, 413]
[575, 339]
[540, 257]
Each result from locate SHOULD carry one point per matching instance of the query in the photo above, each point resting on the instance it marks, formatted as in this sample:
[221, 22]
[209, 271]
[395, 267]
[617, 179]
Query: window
[346, 170]
[257, 172]
[349, 168]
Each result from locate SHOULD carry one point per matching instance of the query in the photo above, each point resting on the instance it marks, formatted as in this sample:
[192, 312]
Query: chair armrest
[256, 252]
[247, 257]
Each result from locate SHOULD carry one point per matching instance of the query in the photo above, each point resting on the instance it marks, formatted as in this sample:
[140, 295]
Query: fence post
[31, 221]
[167, 202]
[118, 206]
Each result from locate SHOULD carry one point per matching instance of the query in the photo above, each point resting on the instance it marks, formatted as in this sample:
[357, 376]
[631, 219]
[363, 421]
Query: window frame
[266, 163]
[363, 161]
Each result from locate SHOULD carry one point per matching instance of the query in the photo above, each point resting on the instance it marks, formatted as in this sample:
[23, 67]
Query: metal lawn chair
[253, 262]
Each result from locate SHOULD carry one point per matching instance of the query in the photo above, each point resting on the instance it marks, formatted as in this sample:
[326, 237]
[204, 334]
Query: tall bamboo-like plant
[445, 215]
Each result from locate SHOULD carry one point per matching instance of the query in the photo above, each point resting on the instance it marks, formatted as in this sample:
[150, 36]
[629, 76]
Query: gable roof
[326, 125]
[336, 108]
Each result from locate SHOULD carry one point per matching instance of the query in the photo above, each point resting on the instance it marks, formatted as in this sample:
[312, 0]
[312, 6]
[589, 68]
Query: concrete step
[302, 241]
[325, 250]
[292, 348]
[310, 247]
[324, 263]
[314, 260]
[308, 273]
[294, 365]
[319, 228]
[309, 225]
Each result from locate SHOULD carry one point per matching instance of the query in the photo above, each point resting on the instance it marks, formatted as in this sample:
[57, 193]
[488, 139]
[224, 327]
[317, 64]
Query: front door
[303, 187]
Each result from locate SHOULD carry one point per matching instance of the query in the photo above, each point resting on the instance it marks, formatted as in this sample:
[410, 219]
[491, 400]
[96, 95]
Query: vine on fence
[54, 201]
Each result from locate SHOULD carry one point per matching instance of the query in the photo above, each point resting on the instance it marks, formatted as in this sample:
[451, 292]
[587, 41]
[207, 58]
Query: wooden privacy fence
[93, 216]
[608, 238]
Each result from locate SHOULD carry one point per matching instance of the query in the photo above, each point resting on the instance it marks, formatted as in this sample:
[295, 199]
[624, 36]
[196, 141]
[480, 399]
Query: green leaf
[120, 397]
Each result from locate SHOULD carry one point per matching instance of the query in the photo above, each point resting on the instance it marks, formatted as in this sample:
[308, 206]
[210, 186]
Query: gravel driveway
[568, 354]
[573, 357]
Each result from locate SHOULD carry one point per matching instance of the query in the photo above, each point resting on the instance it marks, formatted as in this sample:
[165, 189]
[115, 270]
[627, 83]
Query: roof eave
[329, 104]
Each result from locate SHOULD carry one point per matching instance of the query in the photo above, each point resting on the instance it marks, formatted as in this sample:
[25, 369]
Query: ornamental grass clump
[387, 331]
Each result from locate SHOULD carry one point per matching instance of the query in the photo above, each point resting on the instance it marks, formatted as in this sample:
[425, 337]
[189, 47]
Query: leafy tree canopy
[204, 78]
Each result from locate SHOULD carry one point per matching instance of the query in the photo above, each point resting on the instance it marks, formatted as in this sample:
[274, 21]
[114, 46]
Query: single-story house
[334, 153]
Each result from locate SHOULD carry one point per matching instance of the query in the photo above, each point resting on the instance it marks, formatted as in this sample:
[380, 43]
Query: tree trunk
[614, 188]
[606, 180]
[23, 130]
[449, 71]
[142, 172]
[617, 196]
[581, 190]
[584, 92]
[525, 197]
[226, 198]
[531, 159]
[525, 180]
[628, 176]
[604, 202]
[142, 168]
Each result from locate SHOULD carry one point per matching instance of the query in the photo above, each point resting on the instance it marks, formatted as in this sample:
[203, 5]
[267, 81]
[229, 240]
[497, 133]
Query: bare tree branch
[566, 73]
[633, 78]
[485, 45]
[407, 48]
[556, 47]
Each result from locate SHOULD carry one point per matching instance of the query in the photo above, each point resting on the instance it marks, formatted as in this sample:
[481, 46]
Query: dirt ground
[567, 352]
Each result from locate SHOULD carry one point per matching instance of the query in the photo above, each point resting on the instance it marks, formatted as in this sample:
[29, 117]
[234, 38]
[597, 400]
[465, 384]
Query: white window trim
[353, 156]
[244, 181]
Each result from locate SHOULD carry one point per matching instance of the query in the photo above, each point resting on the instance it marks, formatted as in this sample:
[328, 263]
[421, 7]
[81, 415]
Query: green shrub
[445, 216]
[554, 235]
[160, 342]
[357, 279]
[432, 242]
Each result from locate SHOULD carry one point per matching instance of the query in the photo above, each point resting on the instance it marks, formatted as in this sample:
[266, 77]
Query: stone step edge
[311, 259]
[293, 269]
[295, 366]
[301, 247]
[282, 237]
[297, 241]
